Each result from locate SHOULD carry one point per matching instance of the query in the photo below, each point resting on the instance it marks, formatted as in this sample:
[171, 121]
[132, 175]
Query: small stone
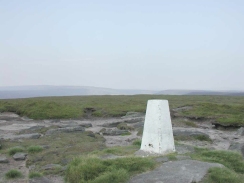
[161, 159]
[40, 180]
[3, 159]
[51, 166]
[32, 167]
[183, 149]
[189, 132]
[240, 131]
[66, 130]
[45, 146]
[20, 156]
[86, 125]
[239, 147]
[180, 157]
[91, 134]
[26, 136]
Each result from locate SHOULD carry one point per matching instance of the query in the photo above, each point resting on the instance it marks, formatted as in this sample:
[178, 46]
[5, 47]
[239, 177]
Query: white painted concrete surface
[157, 133]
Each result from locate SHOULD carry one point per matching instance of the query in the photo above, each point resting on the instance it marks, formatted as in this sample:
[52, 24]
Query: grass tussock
[35, 175]
[13, 174]
[34, 149]
[137, 142]
[94, 170]
[15, 150]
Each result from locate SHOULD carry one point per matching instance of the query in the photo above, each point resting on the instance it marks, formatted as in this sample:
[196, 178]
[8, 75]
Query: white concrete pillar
[157, 133]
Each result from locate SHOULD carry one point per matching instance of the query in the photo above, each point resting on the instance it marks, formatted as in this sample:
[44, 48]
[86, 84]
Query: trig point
[157, 135]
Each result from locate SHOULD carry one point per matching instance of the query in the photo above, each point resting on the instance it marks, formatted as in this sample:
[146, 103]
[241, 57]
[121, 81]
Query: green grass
[190, 123]
[60, 148]
[232, 172]
[225, 109]
[222, 175]
[13, 174]
[118, 150]
[34, 175]
[226, 114]
[137, 142]
[14, 150]
[232, 160]
[95, 170]
[172, 156]
[34, 149]
[190, 138]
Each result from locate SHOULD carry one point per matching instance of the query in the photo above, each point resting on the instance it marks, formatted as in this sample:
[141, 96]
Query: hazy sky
[124, 44]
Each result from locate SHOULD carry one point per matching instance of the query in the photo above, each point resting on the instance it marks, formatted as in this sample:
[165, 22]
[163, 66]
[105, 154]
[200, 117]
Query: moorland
[94, 138]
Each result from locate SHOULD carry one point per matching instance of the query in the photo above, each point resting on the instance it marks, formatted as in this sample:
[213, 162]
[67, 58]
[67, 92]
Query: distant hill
[201, 92]
[42, 91]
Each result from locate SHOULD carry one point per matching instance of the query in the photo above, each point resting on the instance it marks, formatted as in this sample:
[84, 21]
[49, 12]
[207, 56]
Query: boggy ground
[61, 140]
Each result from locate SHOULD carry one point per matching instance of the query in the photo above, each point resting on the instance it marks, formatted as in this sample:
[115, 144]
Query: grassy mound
[94, 170]
[13, 174]
[229, 159]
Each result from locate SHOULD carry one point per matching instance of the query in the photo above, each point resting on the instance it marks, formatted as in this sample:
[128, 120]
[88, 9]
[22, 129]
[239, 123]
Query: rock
[138, 125]
[66, 130]
[224, 126]
[40, 180]
[55, 121]
[188, 132]
[65, 161]
[185, 171]
[25, 136]
[32, 167]
[161, 159]
[19, 156]
[45, 146]
[3, 159]
[111, 132]
[86, 125]
[240, 131]
[183, 149]
[180, 157]
[91, 134]
[51, 166]
[133, 115]
[111, 125]
[25, 118]
[239, 147]
[8, 116]
[30, 136]
[34, 128]
[134, 120]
